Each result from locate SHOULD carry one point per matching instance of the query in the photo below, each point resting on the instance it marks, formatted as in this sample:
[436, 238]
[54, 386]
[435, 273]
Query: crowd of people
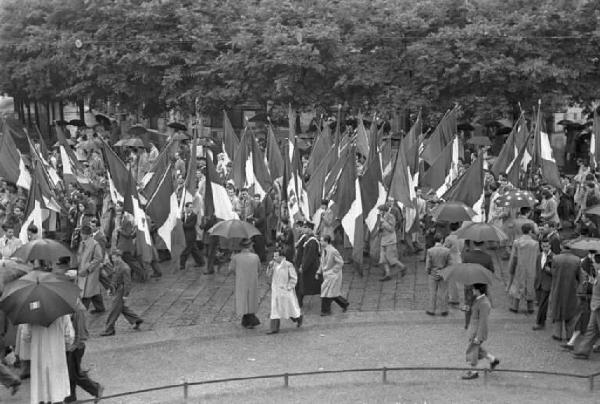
[304, 256]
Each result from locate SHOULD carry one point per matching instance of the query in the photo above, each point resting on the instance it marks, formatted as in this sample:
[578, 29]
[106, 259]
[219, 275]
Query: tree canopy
[486, 55]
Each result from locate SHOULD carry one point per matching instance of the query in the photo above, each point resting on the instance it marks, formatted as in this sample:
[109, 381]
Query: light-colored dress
[284, 303]
[49, 373]
[331, 268]
[246, 265]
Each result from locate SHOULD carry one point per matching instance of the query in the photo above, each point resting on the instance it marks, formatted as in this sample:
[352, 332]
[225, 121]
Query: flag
[119, 177]
[273, 155]
[469, 189]
[33, 213]
[348, 205]
[163, 209]
[402, 188]
[595, 141]
[191, 180]
[316, 182]
[509, 150]
[320, 148]
[518, 164]
[153, 176]
[441, 136]
[12, 164]
[444, 170]
[131, 205]
[372, 191]
[293, 184]
[249, 168]
[362, 138]
[216, 200]
[229, 140]
[543, 156]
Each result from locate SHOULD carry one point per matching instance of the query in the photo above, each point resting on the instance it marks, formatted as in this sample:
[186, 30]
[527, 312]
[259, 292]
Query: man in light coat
[246, 265]
[88, 272]
[523, 265]
[284, 303]
[388, 255]
[331, 270]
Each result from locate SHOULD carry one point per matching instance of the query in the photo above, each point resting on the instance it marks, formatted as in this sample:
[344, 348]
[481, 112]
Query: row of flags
[430, 163]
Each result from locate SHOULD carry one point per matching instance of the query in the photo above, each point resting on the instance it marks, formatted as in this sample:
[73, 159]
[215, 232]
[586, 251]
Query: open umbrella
[102, 119]
[516, 198]
[137, 130]
[177, 126]
[480, 141]
[234, 229]
[61, 122]
[467, 274]
[481, 232]
[180, 136]
[42, 249]
[11, 270]
[131, 142]
[77, 122]
[594, 210]
[584, 243]
[453, 211]
[39, 298]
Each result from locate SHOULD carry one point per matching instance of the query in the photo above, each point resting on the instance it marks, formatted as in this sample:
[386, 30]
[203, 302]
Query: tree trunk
[61, 110]
[28, 113]
[48, 120]
[37, 113]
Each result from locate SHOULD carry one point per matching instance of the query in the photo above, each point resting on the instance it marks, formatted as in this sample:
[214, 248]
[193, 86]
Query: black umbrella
[42, 249]
[77, 122]
[102, 119]
[39, 298]
[61, 122]
[465, 126]
[137, 130]
[177, 126]
[260, 117]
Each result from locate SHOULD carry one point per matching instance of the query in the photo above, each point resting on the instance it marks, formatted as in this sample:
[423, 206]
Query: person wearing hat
[284, 303]
[90, 259]
[331, 270]
[9, 243]
[121, 280]
[190, 220]
[246, 265]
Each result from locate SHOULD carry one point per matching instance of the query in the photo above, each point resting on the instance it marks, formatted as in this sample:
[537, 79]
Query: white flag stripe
[24, 180]
[35, 217]
[349, 220]
[222, 203]
[166, 229]
[371, 219]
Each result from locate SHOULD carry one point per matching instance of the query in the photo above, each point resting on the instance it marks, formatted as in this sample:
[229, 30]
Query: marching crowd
[308, 254]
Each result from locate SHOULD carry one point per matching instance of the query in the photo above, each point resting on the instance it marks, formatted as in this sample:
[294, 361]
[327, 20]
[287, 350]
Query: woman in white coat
[284, 303]
[331, 269]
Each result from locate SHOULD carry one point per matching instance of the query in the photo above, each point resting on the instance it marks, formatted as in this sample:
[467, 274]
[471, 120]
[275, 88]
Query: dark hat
[245, 243]
[85, 229]
[309, 225]
[381, 207]
[324, 202]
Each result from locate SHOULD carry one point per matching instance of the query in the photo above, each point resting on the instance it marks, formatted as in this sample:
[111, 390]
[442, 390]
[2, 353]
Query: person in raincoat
[523, 265]
[331, 269]
[246, 265]
[284, 303]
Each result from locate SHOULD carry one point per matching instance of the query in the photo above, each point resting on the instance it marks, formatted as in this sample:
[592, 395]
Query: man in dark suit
[259, 219]
[543, 283]
[552, 237]
[190, 233]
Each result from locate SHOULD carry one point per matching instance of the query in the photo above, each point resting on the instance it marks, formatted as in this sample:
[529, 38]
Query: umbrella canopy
[137, 130]
[131, 142]
[467, 274]
[157, 133]
[11, 270]
[234, 229]
[594, 210]
[481, 232]
[102, 119]
[61, 122]
[180, 136]
[516, 198]
[42, 249]
[177, 126]
[480, 141]
[453, 211]
[77, 122]
[585, 243]
[39, 298]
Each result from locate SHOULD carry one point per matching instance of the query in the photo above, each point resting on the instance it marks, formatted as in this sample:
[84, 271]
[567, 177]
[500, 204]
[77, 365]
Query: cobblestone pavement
[184, 298]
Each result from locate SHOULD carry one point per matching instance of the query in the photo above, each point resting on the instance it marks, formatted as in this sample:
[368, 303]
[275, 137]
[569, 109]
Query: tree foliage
[486, 55]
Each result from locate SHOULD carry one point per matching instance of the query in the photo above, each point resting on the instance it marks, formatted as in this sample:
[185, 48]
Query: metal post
[286, 380]
[186, 387]
[591, 382]
[486, 373]
[384, 376]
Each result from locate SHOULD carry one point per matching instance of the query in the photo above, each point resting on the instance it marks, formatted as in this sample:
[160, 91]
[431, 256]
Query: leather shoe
[470, 375]
[299, 321]
[107, 333]
[444, 314]
[513, 310]
[14, 389]
[385, 279]
[494, 363]
[554, 337]
[567, 347]
[430, 313]
[580, 356]
[100, 391]
[137, 324]
[325, 314]
[538, 327]
[270, 332]
[209, 272]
